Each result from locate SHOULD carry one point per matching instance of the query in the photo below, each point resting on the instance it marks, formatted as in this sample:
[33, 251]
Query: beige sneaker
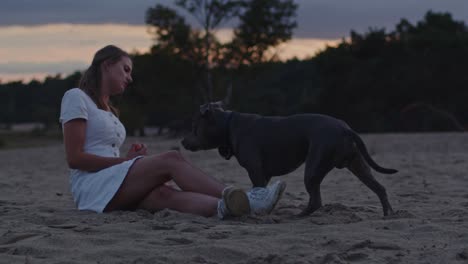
[234, 202]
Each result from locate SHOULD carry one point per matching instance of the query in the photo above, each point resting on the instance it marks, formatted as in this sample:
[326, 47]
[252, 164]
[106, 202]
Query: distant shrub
[38, 132]
[2, 143]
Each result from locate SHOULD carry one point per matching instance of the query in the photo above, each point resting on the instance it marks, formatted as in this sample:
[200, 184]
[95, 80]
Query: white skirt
[94, 190]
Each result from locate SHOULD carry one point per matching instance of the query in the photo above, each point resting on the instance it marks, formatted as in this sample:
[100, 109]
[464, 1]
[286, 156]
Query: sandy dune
[39, 223]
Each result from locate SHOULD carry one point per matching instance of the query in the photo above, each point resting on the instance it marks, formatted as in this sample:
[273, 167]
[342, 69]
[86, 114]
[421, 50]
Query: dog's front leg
[250, 159]
[257, 180]
[257, 176]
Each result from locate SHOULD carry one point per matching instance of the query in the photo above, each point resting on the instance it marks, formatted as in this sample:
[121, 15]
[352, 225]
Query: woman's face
[117, 76]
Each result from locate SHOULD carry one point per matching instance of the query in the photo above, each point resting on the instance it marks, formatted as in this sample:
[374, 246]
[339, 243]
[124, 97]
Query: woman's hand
[136, 149]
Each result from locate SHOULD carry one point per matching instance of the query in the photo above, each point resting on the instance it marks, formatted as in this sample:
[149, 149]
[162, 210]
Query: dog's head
[208, 131]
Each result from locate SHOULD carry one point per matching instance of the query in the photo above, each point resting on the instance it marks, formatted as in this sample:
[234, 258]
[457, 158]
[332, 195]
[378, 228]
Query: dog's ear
[205, 109]
[210, 107]
[218, 105]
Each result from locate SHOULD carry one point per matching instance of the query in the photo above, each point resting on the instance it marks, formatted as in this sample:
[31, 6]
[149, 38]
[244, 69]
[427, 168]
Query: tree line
[412, 78]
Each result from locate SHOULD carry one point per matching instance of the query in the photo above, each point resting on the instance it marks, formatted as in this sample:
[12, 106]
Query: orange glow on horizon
[59, 44]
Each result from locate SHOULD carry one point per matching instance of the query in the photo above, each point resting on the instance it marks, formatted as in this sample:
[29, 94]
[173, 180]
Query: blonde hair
[90, 82]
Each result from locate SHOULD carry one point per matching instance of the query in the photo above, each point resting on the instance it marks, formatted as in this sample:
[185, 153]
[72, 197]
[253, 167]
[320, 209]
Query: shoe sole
[236, 202]
[282, 187]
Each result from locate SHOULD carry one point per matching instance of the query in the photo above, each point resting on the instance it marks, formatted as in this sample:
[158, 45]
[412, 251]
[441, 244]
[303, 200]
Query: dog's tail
[362, 148]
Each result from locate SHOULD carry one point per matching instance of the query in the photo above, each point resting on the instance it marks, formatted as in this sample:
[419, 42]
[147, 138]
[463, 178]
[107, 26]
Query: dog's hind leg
[360, 168]
[317, 167]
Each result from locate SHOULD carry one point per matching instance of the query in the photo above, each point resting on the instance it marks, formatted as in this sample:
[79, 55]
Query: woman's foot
[264, 199]
[234, 202]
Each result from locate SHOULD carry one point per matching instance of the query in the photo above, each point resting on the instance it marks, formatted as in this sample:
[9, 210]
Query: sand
[39, 223]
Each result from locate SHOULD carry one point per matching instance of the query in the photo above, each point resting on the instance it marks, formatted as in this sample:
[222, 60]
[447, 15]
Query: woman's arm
[74, 133]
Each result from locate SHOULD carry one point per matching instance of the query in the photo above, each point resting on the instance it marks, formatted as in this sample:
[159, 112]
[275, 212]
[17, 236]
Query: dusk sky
[47, 37]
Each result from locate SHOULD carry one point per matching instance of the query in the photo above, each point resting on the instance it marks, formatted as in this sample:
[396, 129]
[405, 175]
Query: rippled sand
[39, 223]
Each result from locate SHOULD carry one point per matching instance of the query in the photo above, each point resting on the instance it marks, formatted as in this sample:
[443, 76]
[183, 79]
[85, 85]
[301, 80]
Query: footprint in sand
[331, 214]
[374, 245]
[63, 226]
[292, 196]
[162, 227]
[400, 214]
[354, 256]
[454, 213]
[199, 259]
[11, 237]
[463, 255]
[218, 235]
[178, 241]
[350, 256]
[193, 229]
[270, 258]
[332, 258]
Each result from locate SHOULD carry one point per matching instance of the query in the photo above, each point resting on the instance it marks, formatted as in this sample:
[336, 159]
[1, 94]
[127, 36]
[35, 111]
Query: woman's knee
[172, 158]
[173, 155]
[162, 165]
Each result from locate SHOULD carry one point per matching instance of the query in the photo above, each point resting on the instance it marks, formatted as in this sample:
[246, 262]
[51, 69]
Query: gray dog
[274, 146]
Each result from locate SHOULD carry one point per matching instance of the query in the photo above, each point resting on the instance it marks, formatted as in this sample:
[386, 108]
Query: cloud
[68, 42]
[336, 18]
[27, 71]
[26, 68]
[32, 12]
[28, 52]
[303, 48]
[316, 18]
[46, 37]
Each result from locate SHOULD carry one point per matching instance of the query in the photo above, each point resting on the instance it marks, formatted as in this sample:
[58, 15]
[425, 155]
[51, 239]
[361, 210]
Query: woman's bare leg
[188, 202]
[151, 172]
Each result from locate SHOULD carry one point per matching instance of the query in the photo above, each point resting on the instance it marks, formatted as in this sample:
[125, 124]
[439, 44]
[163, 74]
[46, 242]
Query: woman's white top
[104, 136]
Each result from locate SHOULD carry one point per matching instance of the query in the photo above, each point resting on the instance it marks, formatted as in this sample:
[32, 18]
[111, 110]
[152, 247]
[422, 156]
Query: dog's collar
[225, 150]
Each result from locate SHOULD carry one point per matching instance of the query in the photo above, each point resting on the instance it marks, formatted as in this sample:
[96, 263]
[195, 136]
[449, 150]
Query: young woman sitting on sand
[102, 181]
